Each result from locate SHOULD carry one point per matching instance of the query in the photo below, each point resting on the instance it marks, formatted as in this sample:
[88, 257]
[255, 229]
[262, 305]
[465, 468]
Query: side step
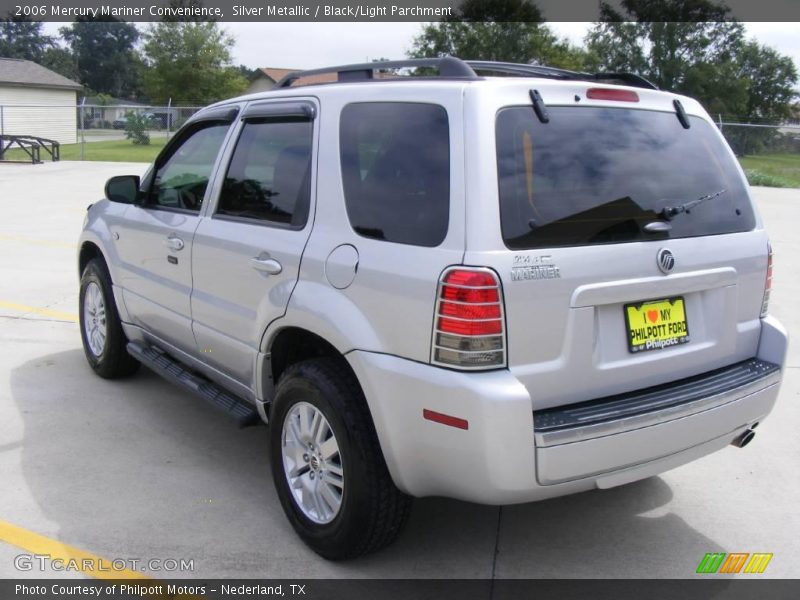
[241, 411]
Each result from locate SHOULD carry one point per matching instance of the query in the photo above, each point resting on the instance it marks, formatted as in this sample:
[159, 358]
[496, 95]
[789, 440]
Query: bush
[755, 177]
[136, 126]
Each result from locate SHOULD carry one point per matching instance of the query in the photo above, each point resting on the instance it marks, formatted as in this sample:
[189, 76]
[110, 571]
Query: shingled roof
[15, 71]
[276, 75]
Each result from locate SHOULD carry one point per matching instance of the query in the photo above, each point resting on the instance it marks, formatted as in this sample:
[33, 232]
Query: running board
[241, 411]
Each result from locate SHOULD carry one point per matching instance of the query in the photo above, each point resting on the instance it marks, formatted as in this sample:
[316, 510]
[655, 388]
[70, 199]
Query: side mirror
[123, 188]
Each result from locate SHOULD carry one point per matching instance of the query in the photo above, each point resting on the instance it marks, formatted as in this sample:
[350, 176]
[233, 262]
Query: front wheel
[327, 464]
[104, 342]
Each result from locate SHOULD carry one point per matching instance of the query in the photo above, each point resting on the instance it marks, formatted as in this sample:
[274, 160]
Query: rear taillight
[767, 283]
[469, 326]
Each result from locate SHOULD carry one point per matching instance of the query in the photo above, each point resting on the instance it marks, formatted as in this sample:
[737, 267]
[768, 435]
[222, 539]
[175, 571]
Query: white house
[96, 111]
[37, 101]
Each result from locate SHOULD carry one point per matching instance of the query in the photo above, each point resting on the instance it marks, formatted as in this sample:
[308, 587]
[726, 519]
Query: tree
[771, 80]
[691, 47]
[190, 62]
[501, 30]
[663, 39]
[62, 61]
[22, 38]
[247, 72]
[104, 54]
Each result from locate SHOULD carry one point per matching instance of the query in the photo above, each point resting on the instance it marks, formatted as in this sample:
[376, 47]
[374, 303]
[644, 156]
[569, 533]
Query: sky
[309, 45]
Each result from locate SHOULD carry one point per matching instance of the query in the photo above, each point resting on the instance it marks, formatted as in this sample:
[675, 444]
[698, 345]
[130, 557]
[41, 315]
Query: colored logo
[735, 562]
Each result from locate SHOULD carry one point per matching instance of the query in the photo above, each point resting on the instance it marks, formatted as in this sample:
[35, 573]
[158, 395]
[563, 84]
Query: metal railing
[31, 146]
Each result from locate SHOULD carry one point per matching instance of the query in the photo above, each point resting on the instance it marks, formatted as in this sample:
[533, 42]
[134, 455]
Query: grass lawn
[775, 170]
[112, 151]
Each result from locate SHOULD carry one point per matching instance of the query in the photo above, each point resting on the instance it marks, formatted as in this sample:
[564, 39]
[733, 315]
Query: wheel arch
[88, 251]
[291, 344]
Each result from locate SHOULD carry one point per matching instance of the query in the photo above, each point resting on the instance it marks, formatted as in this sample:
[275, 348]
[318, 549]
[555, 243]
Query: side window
[396, 171]
[181, 180]
[269, 178]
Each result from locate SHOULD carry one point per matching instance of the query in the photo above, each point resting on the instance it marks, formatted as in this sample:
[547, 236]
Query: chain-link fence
[768, 151]
[749, 138]
[25, 129]
[97, 120]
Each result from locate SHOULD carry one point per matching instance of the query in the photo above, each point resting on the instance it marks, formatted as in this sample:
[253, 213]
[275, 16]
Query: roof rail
[524, 70]
[455, 68]
[447, 66]
[631, 79]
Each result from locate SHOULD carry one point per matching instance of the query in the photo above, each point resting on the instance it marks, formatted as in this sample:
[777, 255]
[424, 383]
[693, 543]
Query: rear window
[396, 171]
[599, 175]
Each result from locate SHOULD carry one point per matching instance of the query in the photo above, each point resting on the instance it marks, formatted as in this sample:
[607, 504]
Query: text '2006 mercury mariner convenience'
[501, 283]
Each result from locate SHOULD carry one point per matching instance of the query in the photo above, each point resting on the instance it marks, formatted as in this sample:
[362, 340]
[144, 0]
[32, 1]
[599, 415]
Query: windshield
[599, 175]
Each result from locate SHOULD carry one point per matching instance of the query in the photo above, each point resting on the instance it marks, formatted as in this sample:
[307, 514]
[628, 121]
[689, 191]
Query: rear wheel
[327, 464]
[104, 342]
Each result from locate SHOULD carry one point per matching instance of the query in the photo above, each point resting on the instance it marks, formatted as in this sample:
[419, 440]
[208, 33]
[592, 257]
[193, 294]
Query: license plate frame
[649, 328]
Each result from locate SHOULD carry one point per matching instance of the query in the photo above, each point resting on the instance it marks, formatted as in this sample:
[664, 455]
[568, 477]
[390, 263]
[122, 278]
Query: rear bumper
[497, 461]
[603, 454]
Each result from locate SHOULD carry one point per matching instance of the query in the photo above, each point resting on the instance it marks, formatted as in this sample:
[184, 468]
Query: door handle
[174, 243]
[266, 264]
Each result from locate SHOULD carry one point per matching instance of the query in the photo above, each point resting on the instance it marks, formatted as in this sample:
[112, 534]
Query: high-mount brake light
[469, 325]
[611, 94]
[767, 283]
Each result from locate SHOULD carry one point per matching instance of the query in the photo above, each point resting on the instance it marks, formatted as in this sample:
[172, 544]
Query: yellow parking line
[38, 242]
[45, 312]
[70, 556]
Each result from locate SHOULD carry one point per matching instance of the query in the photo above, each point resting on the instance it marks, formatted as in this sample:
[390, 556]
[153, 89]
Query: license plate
[656, 324]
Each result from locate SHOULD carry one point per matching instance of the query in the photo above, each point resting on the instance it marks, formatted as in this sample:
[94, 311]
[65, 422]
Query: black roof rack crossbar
[523, 70]
[631, 79]
[447, 66]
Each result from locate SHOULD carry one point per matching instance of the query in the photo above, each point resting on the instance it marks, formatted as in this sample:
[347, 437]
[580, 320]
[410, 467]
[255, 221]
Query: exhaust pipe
[744, 439]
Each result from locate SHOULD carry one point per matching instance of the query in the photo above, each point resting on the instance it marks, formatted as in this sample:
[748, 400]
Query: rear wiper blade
[668, 212]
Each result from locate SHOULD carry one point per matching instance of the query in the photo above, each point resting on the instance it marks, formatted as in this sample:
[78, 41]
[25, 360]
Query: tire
[372, 510]
[98, 316]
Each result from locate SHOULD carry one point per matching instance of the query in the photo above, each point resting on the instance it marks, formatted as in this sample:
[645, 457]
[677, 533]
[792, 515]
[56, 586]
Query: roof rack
[448, 66]
[523, 70]
[454, 68]
[631, 79]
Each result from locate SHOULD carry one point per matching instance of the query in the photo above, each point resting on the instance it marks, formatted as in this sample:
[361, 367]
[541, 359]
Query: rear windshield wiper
[668, 212]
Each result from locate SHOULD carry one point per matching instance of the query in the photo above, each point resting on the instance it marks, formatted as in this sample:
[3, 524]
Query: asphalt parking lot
[138, 469]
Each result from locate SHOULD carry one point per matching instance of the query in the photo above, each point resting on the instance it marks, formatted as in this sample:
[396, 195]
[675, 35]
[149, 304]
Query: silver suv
[492, 282]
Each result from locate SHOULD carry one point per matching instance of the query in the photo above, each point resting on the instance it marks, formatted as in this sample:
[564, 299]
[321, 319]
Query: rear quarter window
[597, 175]
[395, 161]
